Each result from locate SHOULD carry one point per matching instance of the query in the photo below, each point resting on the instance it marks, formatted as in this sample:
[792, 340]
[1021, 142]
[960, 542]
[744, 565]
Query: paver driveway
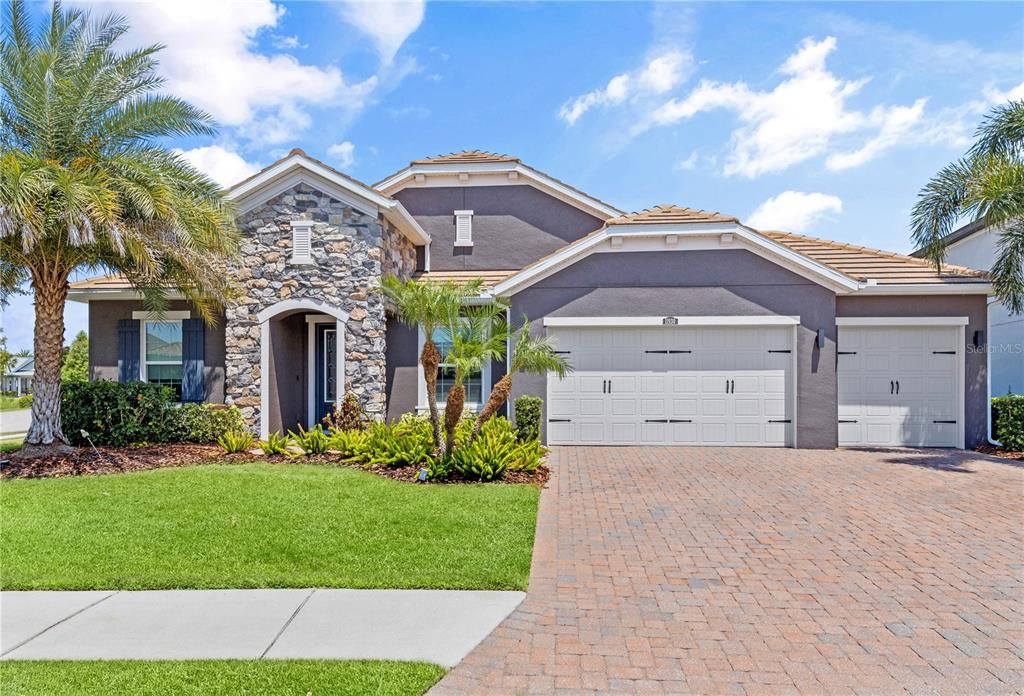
[684, 570]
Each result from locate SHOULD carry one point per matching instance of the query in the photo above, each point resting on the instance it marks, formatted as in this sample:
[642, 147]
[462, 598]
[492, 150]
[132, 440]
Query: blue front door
[325, 391]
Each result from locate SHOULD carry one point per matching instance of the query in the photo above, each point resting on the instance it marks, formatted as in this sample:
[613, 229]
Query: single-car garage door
[673, 385]
[899, 385]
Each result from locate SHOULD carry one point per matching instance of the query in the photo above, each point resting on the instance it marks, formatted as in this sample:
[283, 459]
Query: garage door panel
[651, 408]
[749, 433]
[775, 408]
[591, 407]
[624, 432]
[624, 406]
[713, 432]
[682, 433]
[713, 406]
[684, 407]
[747, 407]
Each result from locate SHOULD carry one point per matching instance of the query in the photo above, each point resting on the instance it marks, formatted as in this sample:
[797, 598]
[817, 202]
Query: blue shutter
[193, 336]
[128, 341]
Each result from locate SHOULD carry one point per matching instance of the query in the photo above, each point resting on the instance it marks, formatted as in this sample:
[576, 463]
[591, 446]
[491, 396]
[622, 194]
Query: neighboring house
[974, 246]
[18, 380]
[684, 326]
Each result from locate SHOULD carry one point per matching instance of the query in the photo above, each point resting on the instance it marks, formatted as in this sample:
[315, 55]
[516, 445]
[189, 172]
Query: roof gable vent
[463, 228]
[302, 241]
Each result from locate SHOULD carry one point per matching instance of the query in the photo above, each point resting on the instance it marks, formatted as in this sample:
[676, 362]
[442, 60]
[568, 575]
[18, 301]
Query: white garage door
[673, 386]
[898, 385]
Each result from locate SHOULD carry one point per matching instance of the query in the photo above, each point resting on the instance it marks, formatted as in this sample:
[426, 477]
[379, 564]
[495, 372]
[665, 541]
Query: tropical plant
[347, 443]
[396, 445]
[276, 443]
[1008, 418]
[488, 456]
[312, 442]
[528, 414]
[86, 183]
[349, 416]
[236, 441]
[76, 360]
[532, 355]
[528, 456]
[7, 358]
[986, 184]
[477, 335]
[428, 306]
[207, 422]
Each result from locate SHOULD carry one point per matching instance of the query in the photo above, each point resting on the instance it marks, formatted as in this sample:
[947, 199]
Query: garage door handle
[780, 351]
[559, 420]
[677, 352]
[655, 420]
[897, 386]
[846, 352]
[561, 352]
[943, 352]
[943, 421]
[656, 351]
[780, 421]
[849, 421]
[687, 420]
[892, 387]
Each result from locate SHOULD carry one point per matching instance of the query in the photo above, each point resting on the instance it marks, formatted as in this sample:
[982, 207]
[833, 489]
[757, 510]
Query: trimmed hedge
[132, 413]
[528, 412]
[1008, 421]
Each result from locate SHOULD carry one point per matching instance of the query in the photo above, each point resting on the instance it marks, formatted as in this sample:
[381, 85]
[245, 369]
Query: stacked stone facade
[350, 252]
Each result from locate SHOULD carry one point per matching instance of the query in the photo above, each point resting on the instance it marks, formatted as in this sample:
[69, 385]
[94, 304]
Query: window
[474, 382]
[463, 228]
[161, 353]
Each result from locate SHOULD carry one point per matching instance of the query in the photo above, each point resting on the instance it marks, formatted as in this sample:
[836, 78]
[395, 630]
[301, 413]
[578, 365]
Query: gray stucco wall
[103, 318]
[699, 283]
[974, 307]
[512, 225]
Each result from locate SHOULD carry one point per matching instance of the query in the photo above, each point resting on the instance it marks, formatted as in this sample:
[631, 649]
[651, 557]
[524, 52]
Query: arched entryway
[302, 363]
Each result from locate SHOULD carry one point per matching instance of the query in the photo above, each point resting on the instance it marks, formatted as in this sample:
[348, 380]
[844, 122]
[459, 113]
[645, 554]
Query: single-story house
[685, 327]
[18, 380]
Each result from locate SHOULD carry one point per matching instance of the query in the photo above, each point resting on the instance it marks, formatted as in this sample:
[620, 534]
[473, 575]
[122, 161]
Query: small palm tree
[428, 306]
[85, 184]
[986, 184]
[478, 334]
[532, 355]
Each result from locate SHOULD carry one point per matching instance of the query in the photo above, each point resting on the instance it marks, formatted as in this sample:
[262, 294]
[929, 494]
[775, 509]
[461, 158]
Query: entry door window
[330, 365]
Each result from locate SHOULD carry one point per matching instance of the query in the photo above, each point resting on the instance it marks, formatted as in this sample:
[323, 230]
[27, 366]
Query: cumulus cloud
[388, 24]
[224, 166]
[794, 211]
[344, 154]
[659, 75]
[895, 125]
[688, 163]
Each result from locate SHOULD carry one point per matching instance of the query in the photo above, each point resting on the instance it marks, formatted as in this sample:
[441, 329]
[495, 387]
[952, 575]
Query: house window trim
[302, 259]
[173, 317]
[421, 387]
[468, 216]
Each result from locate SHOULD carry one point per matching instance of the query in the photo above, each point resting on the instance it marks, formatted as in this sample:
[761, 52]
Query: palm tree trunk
[499, 395]
[454, 404]
[430, 358]
[51, 292]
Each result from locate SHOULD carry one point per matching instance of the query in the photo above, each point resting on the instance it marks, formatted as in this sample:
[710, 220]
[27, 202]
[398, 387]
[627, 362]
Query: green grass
[10, 445]
[262, 525]
[205, 677]
[9, 403]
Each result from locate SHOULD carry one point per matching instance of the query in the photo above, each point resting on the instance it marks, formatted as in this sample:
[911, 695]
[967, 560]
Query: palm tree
[478, 334]
[85, 184]
[986, 184]
[428, 306]
[533, 355]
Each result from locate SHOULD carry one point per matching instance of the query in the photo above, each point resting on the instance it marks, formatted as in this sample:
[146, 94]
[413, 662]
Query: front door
[325, 390]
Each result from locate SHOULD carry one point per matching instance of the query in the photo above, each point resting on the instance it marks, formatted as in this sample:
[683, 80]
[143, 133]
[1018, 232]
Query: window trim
[172, 317]
[421, 385]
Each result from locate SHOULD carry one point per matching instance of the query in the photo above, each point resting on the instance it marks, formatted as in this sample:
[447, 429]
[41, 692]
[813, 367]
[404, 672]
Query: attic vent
[302, 241]
[463, 228]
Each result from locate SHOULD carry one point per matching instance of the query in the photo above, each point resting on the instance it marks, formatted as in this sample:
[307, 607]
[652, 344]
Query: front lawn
[203, 677]
[9, 403]
[262, 525]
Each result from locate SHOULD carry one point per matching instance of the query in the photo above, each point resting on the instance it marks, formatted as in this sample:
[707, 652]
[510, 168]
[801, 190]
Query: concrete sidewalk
[438, 626]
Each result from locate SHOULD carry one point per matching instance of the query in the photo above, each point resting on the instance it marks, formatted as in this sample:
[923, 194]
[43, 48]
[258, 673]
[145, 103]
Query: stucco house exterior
[18, 380]
[684, 326]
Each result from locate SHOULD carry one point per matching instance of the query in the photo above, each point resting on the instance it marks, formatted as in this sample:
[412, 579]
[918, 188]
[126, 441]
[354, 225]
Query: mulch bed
[1005, 454]
[118, 460]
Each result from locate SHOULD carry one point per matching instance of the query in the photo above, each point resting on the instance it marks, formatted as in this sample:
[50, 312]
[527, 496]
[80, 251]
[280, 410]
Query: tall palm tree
[986, 184]
[85, 183]
[533, 355]
[428, 306]
[478, 334]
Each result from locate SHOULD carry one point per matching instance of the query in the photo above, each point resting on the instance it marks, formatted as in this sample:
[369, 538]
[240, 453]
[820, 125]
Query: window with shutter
[302, 241]
[464, 228]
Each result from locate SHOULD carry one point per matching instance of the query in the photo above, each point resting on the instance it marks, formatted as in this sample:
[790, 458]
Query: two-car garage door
[674, 385]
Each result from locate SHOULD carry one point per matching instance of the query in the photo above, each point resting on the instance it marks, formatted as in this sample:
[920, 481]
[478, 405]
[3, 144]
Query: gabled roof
[466, 157]
[488, 278]
[959, 234]
[467, 166]
[667, 214]
[297, 166]
[24, 366]
[866, 264]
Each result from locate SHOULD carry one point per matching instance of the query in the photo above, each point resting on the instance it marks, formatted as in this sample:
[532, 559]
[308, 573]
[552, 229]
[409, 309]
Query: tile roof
[489, 278]
[467, 157]
[111, 281]
[864, 263]
[669, 215]
[302, 153]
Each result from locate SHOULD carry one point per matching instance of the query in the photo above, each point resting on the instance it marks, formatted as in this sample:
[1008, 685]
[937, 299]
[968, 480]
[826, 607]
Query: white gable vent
[463, 228]
[302, 241]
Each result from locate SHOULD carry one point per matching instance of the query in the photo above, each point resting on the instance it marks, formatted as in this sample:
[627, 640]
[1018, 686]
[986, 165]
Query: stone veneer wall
[351, 250]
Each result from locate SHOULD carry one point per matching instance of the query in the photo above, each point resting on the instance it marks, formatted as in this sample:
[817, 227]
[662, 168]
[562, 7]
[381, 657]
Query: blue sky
[820, 118]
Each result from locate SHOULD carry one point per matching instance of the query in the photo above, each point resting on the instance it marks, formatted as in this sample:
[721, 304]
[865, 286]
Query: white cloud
[344, 154]
[688, 163]
[287, 43]
[794, 211]
[659, 75]
[388, 24]
[895, 125]
[224, 166]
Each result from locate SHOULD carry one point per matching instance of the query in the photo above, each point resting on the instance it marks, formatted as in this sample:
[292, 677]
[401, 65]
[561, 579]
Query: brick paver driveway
[738, 571]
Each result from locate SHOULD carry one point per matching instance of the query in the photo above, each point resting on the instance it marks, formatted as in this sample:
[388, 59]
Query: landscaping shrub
[350, 416]
[276, 443]
[347, 443]
[236, 441]
[312, 442]
[528, 412]
[489, 455]
[115, 413]
[25, 401]
[1008, 418]
[408, 442]
[529, 455]
[208, 422]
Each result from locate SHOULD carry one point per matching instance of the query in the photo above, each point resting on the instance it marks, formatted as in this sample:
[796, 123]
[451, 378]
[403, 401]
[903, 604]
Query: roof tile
[669, 215]
[467, 157]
